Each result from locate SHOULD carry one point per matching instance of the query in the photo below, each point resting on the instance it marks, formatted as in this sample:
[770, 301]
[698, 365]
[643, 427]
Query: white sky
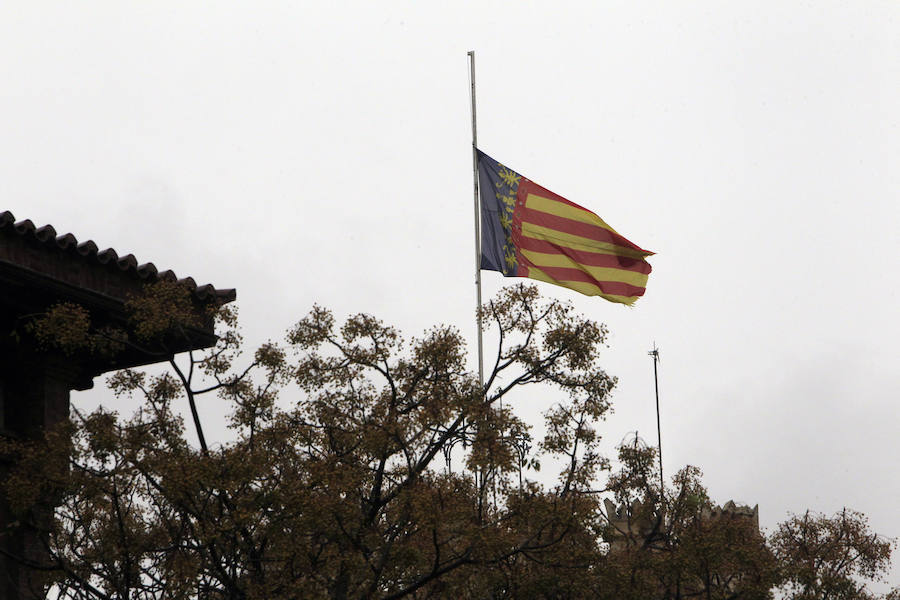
[319, 152]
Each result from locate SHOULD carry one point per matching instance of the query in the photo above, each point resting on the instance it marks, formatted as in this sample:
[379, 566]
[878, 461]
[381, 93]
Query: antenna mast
[662, 482]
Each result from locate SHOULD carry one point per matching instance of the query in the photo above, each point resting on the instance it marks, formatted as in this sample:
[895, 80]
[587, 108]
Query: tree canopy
[361, 464]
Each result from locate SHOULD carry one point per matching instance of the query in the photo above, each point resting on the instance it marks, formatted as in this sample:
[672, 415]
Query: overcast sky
[320, 153]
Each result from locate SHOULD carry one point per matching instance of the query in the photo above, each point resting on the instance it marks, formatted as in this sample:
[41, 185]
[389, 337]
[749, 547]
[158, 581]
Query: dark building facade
[39, 269]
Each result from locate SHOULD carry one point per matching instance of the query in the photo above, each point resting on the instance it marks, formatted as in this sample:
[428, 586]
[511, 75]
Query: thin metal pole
[477, 204]
[477, 224]
[655, 354]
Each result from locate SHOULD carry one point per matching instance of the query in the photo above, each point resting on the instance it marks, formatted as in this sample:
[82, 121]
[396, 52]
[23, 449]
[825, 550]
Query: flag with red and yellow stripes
[528, 231]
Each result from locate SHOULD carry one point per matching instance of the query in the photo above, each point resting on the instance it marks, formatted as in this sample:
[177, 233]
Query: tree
[362, 465]
[677, 543]
[830, 557]
[341, 495]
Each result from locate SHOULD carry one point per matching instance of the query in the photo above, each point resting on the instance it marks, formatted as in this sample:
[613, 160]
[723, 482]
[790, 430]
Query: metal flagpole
[655, 354]
[477, 235]
[477, 223]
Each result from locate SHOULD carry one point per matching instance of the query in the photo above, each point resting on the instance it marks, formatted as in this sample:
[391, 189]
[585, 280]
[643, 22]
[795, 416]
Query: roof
[89, 252]
[39, 268]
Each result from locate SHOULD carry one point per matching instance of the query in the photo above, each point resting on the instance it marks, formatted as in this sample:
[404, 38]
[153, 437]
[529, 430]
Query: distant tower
[634, 523]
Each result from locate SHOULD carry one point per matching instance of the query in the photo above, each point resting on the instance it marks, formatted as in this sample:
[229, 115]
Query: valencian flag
[528, 231]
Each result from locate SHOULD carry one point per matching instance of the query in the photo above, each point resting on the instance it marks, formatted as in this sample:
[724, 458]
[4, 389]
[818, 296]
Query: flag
[528, 231]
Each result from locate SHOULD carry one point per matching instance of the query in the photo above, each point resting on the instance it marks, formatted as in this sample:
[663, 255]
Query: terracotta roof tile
[47, 236]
